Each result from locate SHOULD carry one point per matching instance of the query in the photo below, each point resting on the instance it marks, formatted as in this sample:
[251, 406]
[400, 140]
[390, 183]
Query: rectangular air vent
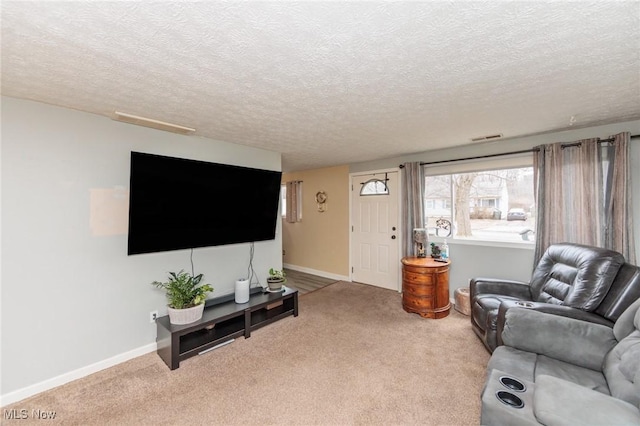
[486, 138]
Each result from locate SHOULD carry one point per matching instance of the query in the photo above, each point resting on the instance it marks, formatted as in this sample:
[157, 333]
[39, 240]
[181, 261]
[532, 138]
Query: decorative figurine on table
[443, 228]
[435, 251]
[420, 238]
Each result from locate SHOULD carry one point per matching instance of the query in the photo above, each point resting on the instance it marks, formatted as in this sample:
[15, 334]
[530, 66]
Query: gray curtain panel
[618, 216]
[583, 195]
[412, 204]
[293, 193]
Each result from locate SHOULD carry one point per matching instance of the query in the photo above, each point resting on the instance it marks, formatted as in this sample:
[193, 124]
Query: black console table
[223, 319]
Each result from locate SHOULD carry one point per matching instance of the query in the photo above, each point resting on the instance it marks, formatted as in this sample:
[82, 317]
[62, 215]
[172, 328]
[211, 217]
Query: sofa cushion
[529, 366]
[575, 275]
[622, 367]
[517, 363]
[566, 339]
[626, 323]
[585, 377]
[557, 402]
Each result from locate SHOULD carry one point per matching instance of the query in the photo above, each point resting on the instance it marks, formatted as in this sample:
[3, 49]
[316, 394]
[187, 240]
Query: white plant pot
[275, 284]
[185, 316]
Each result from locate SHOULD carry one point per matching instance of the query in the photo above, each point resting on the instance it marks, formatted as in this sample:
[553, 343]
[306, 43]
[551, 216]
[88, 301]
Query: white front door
[375, 231]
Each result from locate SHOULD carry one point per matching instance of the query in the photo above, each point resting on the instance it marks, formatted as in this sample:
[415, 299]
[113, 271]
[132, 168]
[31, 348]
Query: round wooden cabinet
[425, 287]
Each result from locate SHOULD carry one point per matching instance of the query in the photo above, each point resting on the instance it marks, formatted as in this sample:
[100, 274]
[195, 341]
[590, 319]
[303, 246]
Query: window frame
[514, 161]
[374, 181]
[283, 201]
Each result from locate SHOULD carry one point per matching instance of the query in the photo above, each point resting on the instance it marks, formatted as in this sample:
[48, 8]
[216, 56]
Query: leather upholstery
[575, 372]
[560, 310]
[574, 275]
[622, 366]
[582, 282]
[624, 290]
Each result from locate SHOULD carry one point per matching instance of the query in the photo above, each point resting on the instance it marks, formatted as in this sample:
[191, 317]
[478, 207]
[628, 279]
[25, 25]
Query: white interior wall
[71, 296]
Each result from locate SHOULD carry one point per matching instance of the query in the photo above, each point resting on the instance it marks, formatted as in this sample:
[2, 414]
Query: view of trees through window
[492, 205]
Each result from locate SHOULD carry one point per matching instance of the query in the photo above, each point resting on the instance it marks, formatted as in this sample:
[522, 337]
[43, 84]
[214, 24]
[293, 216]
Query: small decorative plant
[183, 290]
[435, 251]
[276, 279]
[274, 273]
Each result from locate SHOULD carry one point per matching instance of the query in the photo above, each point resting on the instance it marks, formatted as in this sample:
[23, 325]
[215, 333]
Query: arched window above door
[374, 187]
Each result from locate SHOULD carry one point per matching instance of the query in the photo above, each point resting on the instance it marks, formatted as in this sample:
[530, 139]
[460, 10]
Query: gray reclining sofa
[582, 282]
[555, 370]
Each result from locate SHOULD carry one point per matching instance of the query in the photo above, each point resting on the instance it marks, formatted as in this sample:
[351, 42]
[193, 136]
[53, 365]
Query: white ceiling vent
[486, 138]
[155, 124]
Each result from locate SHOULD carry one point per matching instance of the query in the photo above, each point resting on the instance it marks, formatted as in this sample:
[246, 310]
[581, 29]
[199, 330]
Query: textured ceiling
[328, 83]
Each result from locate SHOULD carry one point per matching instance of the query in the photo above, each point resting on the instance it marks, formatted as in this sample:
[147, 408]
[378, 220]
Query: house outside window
[477, 204]
[486, 202]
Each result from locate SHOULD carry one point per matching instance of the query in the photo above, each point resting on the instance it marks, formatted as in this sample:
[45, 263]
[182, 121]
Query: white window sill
[525, 245]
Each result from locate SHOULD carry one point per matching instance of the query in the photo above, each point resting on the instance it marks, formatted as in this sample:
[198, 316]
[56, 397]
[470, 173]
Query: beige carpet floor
[351, 357]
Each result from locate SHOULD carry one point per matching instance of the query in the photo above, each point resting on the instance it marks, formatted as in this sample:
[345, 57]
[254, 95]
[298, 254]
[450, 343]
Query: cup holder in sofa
[512, 384]
[509, 399]
[524, 304]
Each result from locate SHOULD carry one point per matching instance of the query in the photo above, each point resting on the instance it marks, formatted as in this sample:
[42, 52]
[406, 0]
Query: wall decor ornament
[443, 228]
[321, 199]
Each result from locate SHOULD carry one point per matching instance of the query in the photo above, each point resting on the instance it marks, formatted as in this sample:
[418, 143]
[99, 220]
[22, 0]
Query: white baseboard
[36, 388]
[316, 272]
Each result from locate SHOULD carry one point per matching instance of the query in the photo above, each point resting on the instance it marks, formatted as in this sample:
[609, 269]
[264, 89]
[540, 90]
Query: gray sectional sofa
[572, 280]
[555, 370]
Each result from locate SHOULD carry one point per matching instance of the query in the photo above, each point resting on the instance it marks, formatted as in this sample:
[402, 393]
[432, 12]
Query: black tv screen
[176, 203]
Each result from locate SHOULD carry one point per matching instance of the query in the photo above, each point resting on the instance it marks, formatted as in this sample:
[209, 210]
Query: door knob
[393, 237]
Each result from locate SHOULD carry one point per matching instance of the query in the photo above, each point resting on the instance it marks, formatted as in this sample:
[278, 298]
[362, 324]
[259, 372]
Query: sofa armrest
[558, 402]
[547, 308]
[566, 339]
[517, 289]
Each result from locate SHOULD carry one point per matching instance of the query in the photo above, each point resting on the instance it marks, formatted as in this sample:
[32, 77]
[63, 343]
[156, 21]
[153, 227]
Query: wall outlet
[153, 316]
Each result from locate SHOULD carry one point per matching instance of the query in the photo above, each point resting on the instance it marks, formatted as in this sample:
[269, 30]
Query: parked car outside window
[516, 214]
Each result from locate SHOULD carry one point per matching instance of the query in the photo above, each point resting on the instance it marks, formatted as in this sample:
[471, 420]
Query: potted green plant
[276, 279]
[186, 296]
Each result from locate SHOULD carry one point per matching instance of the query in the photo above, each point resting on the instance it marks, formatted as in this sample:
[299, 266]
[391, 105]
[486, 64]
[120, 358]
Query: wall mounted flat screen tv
[176, 203]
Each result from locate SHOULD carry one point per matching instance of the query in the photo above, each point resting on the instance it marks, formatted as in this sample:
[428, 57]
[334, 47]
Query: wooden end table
[425, 287]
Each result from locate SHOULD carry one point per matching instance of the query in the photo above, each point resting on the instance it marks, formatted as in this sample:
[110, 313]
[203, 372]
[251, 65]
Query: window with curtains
[291, 201]
[584, 194]
[283, 200]
[486, 205]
